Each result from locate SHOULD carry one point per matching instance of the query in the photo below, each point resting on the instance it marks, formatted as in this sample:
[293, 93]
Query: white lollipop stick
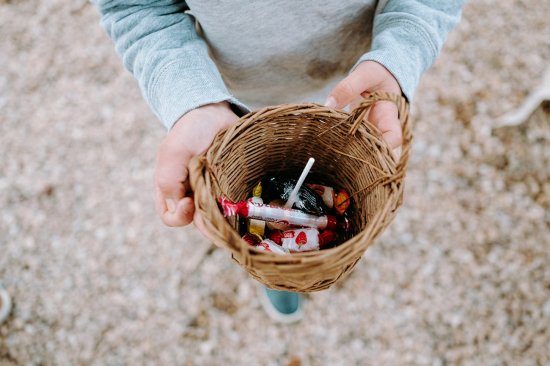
[294, 193]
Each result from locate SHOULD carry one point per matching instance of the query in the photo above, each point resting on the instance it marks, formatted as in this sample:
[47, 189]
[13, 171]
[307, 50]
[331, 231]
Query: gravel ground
[461, 278]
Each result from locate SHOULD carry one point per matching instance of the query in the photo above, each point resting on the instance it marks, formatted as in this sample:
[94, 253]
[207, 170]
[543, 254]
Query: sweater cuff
[180, 87]
[405, 50]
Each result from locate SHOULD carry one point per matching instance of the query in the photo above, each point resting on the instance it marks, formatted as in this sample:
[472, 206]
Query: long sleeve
[408, 36]
[159, 45]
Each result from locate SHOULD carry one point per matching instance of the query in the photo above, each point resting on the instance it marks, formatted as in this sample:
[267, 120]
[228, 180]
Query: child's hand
[369, 77]
[191, 135]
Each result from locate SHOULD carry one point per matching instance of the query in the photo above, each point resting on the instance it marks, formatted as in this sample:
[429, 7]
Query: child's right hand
[191, 135]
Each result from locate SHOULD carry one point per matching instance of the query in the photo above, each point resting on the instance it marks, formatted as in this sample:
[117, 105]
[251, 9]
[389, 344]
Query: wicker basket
[280, 139]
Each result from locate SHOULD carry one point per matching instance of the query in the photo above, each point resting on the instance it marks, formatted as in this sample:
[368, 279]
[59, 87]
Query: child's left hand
[369, 77]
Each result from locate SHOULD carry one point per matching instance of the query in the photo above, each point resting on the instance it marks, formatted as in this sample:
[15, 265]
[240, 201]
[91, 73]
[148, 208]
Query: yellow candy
[257, 191]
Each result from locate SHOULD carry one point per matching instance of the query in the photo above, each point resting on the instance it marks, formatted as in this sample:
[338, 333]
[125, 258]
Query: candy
[344, 224]
[326, 193]
[267, 245]
[252, 239]
[257, 190]
[341, 202]
[264, 245]
[280, 188]
[256, 226]
[275, 225]
[264, 212]
[303, 240]
[276, 236]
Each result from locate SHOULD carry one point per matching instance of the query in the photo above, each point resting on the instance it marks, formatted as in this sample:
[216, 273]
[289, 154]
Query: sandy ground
[462, 276]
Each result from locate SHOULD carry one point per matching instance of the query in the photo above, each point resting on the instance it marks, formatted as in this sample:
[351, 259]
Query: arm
[160, 47]
[407, 37]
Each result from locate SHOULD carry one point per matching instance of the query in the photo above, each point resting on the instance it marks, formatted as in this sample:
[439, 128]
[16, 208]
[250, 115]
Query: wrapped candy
[252, 225]
[326, 193]
[264, 212]
[276, 236]
[267, 245]
[308, 201]
[276, 225]
[341, 202]
[303, 240]
[252, 239]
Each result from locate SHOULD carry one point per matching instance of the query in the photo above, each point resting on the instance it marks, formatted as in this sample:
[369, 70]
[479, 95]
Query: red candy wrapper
[252, 239]
[282, 215]
[304, 240]
[276, 236]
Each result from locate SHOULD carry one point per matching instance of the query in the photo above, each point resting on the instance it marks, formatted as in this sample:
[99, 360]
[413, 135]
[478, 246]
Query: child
[200, 63]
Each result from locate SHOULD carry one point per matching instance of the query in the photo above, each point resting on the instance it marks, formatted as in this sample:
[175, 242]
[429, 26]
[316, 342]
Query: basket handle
[358, 114]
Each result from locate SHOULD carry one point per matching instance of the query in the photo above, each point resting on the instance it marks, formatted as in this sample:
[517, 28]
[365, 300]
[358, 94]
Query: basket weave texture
[348, 152]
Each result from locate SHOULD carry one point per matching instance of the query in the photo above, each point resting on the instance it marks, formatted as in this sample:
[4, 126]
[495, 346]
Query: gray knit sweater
[186, 54]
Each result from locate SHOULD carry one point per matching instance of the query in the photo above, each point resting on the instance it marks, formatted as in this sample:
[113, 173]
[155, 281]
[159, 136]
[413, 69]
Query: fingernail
[171, 204]
[330, 102]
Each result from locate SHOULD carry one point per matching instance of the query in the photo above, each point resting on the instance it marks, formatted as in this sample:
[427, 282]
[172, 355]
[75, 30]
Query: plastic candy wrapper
[276, 225]
[276, 236]
[294, 217]
[267, 245]
[341, 202]
[252, 239]
[326, 193]
[256, 226]
[304, 240]
[308, 201]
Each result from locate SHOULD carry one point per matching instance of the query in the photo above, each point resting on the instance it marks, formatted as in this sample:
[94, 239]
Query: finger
[384, 116]
[354, 103]
[345, 92]
[361, 79]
